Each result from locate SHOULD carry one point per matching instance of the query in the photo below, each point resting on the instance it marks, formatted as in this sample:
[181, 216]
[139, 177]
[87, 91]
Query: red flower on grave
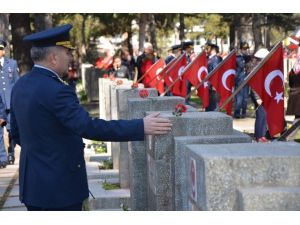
[179, 109]
[135, 85]
[119, 82]
[112, 77]
[105, 76]
[143, 93]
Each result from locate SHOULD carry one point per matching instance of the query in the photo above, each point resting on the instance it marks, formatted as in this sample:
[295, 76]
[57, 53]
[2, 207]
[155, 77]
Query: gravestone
[246, 176]
[122, 94]
[180, 153]
[161, 155]
[137, 150]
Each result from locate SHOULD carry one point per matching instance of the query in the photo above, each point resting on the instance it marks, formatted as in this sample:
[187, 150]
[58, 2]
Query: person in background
[214, 59]
[188, 48]
[174, 52]
[241, 98]
[49, 124]
[145, 61]
[260, 125]
[128, 61]
[3, 155]
[118, 70]
[9, 75]
[293, 106]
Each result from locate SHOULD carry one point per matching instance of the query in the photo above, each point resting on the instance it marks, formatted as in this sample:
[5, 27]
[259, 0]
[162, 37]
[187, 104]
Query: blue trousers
[260, 127]
[241, 102]
[75, 207]
[3, 155]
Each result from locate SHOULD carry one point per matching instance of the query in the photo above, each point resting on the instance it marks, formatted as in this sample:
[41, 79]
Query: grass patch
[110, 186]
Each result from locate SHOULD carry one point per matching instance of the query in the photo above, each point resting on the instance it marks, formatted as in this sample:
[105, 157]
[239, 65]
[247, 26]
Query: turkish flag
[268, 83]
[152, 70]
[222, 80]
[179, 88]
[195, 72]
[163, 74]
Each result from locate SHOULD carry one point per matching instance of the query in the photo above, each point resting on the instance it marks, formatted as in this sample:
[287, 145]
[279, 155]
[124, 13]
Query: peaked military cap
[187, 44]
[175, 47]
[2, 43]
[57, 36]
[244, 45]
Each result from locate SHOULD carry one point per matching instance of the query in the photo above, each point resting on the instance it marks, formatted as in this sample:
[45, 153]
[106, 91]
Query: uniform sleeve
[67, 110]
[2, 110]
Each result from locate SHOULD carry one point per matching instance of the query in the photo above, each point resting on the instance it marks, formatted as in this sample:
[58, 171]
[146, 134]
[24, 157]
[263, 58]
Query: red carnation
[105, 76]
[179, 109]
[135, 85]
[143, 93]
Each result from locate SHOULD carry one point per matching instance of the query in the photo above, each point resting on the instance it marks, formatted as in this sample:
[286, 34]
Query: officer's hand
[155, 125]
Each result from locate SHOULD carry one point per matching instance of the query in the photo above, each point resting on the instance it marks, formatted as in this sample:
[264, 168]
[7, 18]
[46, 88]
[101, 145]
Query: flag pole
[209, 75]
[169, 88]
[250, 75]
[172, 61]
[142, 77]
[158, 75]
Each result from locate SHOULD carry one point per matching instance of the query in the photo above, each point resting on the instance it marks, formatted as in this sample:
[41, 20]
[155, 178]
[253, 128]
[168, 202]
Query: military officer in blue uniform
[188, 48]
[213, 60]
[3, 155]
[242, 59]
[175, 51]
[48, 123]
[8, 77]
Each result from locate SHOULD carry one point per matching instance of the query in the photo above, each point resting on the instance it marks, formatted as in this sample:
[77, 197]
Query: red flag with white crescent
[268, 83]
[152, 72]
[196, 72]
[179, 88]
[223, 80]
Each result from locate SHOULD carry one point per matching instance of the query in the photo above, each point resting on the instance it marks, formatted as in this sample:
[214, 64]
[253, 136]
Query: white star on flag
[205, 84]
[278, 97]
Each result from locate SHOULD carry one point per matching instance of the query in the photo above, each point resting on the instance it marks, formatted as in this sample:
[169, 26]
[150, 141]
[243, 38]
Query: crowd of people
[125, 65]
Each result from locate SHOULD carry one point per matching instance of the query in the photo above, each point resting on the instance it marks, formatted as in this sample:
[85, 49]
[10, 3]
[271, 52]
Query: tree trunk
[256, 28]
[129, 42]
[4, 30]
[42, 21]
[152, 29]
[232, 28]
[20, 26]
[142, 30]
[181, 27]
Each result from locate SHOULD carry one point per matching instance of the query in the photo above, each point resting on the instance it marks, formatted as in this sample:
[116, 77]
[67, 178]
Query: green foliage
[106, 165]
[99, 146]
[110, 186]
[82, 96]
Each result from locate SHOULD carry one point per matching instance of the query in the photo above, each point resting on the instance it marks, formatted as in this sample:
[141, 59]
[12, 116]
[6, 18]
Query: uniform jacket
[8, 77]
[293, 106]
[48, 123]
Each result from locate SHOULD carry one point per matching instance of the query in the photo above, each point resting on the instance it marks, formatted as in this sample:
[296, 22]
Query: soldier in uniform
[175, 51]
[188, 48]
[49, 124]
[3, 155]
[242, 59]
[8, 77]
[213, 60]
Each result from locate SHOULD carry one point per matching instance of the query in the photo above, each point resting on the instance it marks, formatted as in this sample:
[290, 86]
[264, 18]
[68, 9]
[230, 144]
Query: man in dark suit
[48, 123]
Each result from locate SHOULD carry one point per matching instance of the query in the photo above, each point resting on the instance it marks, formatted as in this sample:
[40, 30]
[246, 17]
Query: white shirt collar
[43, 67]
